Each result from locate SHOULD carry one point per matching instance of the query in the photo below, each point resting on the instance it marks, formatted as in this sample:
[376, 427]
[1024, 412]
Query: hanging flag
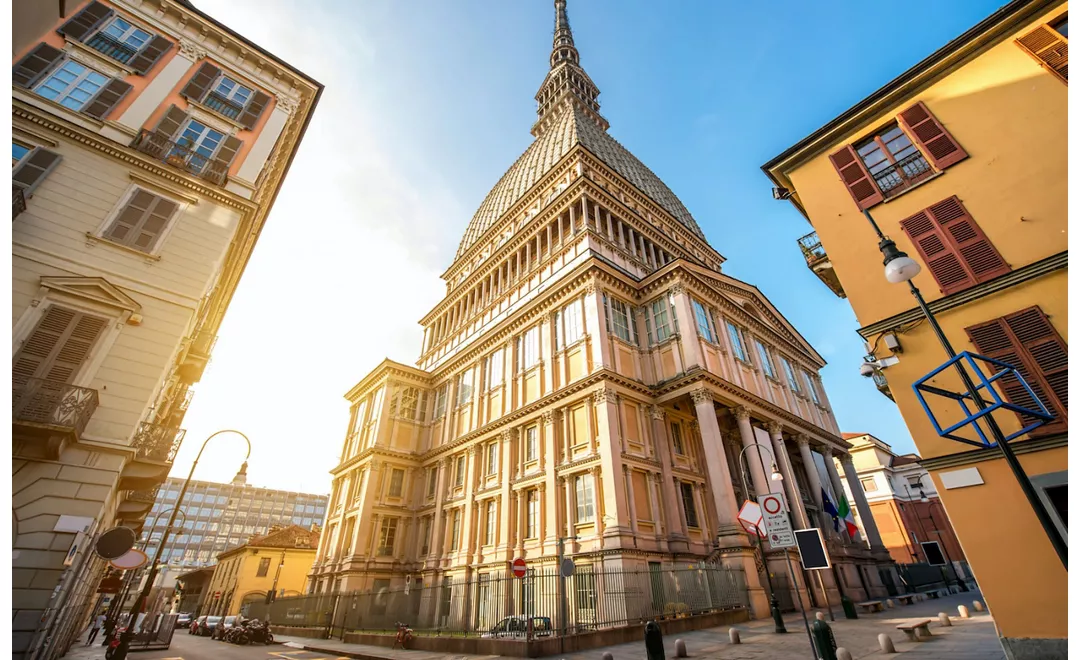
[845, 513]
[831, 510]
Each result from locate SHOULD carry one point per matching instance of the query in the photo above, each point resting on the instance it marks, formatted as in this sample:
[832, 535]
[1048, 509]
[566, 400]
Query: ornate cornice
[774, 427]
[192, 50]
[740, 413]
[657, 412]
[701, 395]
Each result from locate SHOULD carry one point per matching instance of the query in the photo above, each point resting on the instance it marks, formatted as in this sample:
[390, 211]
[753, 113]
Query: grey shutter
[33, 169]
[83, 23]
[170, 123]
[199, 83]
[57, 347]
[219, 167]
[254, 110]
[141, 221]
[33, 67]
[106, 99]
[150, 54]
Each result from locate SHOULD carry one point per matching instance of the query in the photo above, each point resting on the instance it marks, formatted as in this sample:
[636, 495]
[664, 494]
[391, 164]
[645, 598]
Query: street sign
[115, 542]
[776, 521]
[812, 549]
[934, 555]
[518, 567]
[110, 584]
[750, 518]
[131, 559]
[74, 549]
[567, 567]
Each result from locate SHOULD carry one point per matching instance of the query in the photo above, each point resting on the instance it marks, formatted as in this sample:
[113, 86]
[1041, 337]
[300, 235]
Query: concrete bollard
[889, 603]
[886, 643]
[608, 656]
[820, 616]
[680, 649]
[843, 654]
[977, 605]
[963, 610]
[733, 636]
[944, 620]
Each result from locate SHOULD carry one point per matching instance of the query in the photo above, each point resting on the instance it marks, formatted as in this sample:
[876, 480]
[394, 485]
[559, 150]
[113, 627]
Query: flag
[845, 513]
[831, 510]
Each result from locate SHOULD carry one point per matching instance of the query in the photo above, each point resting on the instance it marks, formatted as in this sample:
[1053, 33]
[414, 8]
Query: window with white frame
[737, 342]
[459, 471]
[198, 142]
[765, 359]
[465, 387]
[440, 401]
[432, 480]
[495, 369]
[789, 372]
[532, 513]
[701, 317]
[492, 458]
[387, 536]
[18, 151]
[532, 444]
[121, 31]
[619, 318]
[568, 326]
[142, 220]
[586, 506]
[677, 439]
[489, 527]
[72, 85]
[658, 319]
[228, 97]
[810, 387]
[528, 348]
[397, 478]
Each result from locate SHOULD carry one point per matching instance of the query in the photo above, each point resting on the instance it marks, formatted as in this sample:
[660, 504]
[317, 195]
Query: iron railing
[812, 249]
[225, 106]
[148, 496]
[595, 599]
[185, 402]
[181, 156]
[41, 401]
[203, 343]
[902, 174]
[18, 200]
[114, 48]
[157, 443]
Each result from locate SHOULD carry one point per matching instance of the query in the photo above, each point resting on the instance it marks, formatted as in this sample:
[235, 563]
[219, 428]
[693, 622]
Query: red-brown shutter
[954, 247]
[57, 347]
[937, 253]
[1047, 350]
[856, 177]
[1049, 49]
[150, 54]
[931, 137]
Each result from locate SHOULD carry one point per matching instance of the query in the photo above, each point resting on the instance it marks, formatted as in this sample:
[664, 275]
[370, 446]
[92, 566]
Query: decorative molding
[802, 439]
[740, 413]
[83, 54]
[605, 395]
[979, 455]
[701, 395]
[774, 427]
[657, 412]
[287, 104]
[678, 289]
[548, 417]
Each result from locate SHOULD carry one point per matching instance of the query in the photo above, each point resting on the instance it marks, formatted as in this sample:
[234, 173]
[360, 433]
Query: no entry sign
[518, 567]
[775, 518]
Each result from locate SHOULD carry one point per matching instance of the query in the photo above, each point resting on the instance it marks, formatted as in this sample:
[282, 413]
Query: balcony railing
[817, 260]
[197, 356]
[812, 249]
[18, 201]
[157, 443]
[224, 106]
[185, 402]
[203, 343]
[111, 47]
[882, 384]
[39, 401]
[903, 174]
[148, 496]
[180, 156]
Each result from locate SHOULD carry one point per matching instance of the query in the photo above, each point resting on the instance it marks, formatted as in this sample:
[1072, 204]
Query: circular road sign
[518, 567]
[115, 543]
[772, 504]
[567, 567]
[131, 559]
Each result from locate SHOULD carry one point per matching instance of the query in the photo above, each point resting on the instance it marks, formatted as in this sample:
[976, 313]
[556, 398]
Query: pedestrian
[95, 626]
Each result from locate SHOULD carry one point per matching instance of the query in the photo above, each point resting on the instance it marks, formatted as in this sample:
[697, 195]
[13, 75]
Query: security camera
[780, 193]
[866, 370]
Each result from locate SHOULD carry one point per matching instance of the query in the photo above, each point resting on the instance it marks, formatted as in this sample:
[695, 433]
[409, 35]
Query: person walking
[95, 626]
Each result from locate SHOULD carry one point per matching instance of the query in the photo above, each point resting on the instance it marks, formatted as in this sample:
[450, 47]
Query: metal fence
[500, 605]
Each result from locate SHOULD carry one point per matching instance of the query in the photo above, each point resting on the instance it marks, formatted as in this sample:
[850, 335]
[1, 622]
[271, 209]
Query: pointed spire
[563, 46]
[566, 83]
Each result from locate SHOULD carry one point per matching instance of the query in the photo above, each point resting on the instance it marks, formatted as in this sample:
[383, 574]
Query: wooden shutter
[1048, 353]
[107, 97]
[83, 23]
[33, 169]
[169, 124]
[1049, 48]
[150, 54]
[219, 166]
[142, 220]
[931, 137]
[58, 346]
[35, 64]
[199, 83]
[254, 109]
[856, 177]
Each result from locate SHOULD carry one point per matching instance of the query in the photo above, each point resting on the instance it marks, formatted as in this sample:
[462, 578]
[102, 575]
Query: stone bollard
[680, 649]
[944, 620]
[843, 654]
[963, 610]
[608, 656]
[886, 643]
[889, 604]
[977, 605]
[733, 636]
[820, 616]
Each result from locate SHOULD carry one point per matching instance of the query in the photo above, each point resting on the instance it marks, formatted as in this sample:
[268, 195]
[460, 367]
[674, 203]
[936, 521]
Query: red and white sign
[518, 567]
[750, 518]
[776, 521]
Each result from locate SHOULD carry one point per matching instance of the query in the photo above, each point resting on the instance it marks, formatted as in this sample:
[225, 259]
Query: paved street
[187, 647]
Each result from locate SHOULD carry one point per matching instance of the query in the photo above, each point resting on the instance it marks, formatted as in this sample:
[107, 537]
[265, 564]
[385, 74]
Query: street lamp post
[899, 267]
[774, 604]
[114, 612]
[918, 517]
[125, 638]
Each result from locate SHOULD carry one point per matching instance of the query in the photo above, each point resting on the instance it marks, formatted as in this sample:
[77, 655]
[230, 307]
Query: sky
[428, 102]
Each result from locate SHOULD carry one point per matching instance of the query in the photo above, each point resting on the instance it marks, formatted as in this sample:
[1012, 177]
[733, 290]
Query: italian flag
[845, 514]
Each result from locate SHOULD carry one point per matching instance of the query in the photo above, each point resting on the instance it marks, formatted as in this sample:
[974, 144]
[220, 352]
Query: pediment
[97, 289]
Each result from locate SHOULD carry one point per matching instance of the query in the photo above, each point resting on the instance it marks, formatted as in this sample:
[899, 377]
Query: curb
[341, 653]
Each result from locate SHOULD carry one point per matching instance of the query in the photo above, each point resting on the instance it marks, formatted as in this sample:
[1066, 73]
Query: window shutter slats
[170, 123]
[936, 252]
[31, 68]
[254, 109]
[1046, 348]
[142, 220]
[219, 166]
[83, 23]
[150, 54]
[107, 97]
[930, 135]
[1048, 48]
[199, 83]
[954, 247]
[33, 169]
[58, 346]
[856, 177]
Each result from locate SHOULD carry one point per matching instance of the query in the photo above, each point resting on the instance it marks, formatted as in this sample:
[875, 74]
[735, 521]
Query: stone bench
[872, 606]
[906, 599]
[916, 630]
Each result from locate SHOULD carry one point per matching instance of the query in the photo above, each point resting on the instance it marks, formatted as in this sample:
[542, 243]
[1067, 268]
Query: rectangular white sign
[777, 523]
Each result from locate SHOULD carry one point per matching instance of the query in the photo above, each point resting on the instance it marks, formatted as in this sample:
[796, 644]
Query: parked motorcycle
[258, 632]
[404, 636]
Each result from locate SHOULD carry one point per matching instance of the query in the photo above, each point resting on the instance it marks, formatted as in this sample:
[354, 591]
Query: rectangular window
[532, 513]
[495, 369]
[455, 529]
[387, 536]
[397, 476]
[228, 97]
[489, 523]
[18, 151]
[583, 487]
[119, 40]
[72, 85]
[585, 586]
[1049, 45]
[529, 348]
[766, 361]
[702, 319]
[688, 503]
[432, 481]
[736, 342]
[677, 440]
[571, 325]
[465, 385]
[264, 567]
[532, 444]
[459, 471]
[492, 458]
[868, 485]
[811, 388]
[618, 318]
[659, 318]
[789, 371]
[440, 402]
[894, 162]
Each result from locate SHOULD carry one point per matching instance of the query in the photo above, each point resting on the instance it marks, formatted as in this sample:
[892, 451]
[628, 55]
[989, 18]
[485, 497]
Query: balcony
[181, 157]
[18, 201]
[136, 503]
[157, 443]
[818, 261]
[110, 47]
[53, 411]
[882, 385]
[223, 106]
[196, 356]
[902, 175]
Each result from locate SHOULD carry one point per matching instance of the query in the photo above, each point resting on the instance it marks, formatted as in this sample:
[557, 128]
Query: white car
[517, 627]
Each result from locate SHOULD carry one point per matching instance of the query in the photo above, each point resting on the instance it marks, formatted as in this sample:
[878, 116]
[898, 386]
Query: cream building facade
[149, 142]
[591, 375]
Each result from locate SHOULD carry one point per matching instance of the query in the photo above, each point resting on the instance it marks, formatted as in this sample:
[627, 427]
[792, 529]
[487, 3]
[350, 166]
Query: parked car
[222, 628]
[183, 620]
[196, 624]
[517, 626]
[207, 626]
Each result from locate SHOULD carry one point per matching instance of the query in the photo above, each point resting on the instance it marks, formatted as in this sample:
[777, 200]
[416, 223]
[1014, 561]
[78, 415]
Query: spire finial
[566, 80]
[563, 45]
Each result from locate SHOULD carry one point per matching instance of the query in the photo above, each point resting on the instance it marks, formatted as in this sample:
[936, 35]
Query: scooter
[404, 636]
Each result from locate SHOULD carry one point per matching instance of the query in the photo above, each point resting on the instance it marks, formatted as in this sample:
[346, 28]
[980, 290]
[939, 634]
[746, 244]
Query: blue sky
[429, 102]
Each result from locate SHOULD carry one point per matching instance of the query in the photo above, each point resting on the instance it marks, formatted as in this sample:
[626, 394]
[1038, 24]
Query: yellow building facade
[277, 562]
[588, 383]
[962, 161]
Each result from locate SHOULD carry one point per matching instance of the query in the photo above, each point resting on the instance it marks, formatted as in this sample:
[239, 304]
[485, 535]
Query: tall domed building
[592, 386]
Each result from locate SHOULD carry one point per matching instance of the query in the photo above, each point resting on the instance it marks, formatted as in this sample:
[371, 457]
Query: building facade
[276, 563]
[588, 383]
[941, 157]
[148, 145]
[903, 501]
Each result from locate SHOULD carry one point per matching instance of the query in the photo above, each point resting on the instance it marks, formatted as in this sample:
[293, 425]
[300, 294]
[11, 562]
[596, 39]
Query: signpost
[750, 518]
[812, 549]
[777, 523]
[518, 568]
[934, 555]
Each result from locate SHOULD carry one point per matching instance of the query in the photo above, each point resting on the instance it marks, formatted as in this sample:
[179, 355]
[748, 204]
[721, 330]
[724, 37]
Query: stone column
[567, 485]
[838, 488]
[651, 479]
[594, 326]
[507, 465]
[798, 511]
[668, 495]
[547, 352]
[869, 524]
[598, 502]
[614, 496]
[548, 507]
[716, 466]
[629, 485]
[752, 455]
[522, 521]
[438, 525]
[812, 476]
[688, 338]
[472, 472]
